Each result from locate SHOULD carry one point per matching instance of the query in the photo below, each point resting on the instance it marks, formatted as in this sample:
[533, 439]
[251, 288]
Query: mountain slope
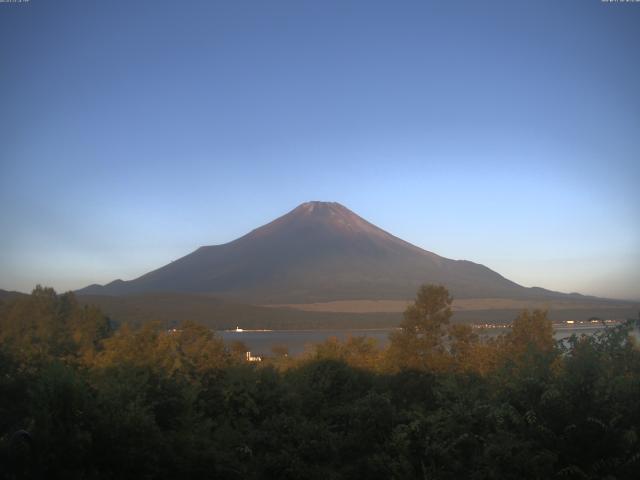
[319, 252]
[6, 295]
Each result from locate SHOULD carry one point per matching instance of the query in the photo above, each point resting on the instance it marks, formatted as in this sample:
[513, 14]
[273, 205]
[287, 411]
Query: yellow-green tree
[420, 341]
[357, 351]
[190, 350]
[531, 332]
[45, 325]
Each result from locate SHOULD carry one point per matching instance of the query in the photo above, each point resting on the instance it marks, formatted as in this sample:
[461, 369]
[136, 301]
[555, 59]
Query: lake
[261, 342]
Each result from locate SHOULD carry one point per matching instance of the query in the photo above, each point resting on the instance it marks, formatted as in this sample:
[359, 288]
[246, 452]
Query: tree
[463, 347]
[420, 341]
[280, 351]
[357, 351]
[531, 336]
[45, 325]
[238, 350]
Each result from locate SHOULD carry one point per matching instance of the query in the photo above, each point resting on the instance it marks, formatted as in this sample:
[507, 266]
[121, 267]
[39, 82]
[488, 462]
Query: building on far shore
[251, 358]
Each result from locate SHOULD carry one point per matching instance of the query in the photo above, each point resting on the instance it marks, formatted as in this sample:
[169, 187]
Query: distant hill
[172, 308]
[9, 295]
[320, 252]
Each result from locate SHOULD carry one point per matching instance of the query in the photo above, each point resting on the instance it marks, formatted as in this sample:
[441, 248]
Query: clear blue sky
[506, 133]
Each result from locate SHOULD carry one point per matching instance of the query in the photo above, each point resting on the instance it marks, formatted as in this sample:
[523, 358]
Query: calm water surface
[261, 342]
[297, 341]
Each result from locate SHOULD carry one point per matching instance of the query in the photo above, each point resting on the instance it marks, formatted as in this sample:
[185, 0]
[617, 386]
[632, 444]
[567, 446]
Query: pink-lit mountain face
[319, 251]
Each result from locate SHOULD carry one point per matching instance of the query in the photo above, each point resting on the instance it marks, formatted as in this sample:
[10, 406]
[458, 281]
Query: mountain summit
[319, 251]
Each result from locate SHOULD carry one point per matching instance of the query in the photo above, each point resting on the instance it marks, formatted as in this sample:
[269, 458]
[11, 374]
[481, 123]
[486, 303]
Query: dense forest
[80, 398]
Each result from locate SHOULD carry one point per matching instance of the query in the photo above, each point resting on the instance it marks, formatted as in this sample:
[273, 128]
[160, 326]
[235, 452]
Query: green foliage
[80, 401]
[46, 326]
[420, 341]
[530, 332]
[359, 352]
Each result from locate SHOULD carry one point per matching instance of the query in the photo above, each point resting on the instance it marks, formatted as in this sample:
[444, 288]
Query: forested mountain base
[81, 400]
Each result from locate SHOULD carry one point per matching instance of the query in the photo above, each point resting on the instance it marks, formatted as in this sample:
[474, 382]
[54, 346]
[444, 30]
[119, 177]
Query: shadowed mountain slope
[319, 252]
[9, 295]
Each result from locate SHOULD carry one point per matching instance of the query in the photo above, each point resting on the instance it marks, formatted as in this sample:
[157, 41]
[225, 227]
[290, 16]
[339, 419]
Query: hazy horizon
[504, 133]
